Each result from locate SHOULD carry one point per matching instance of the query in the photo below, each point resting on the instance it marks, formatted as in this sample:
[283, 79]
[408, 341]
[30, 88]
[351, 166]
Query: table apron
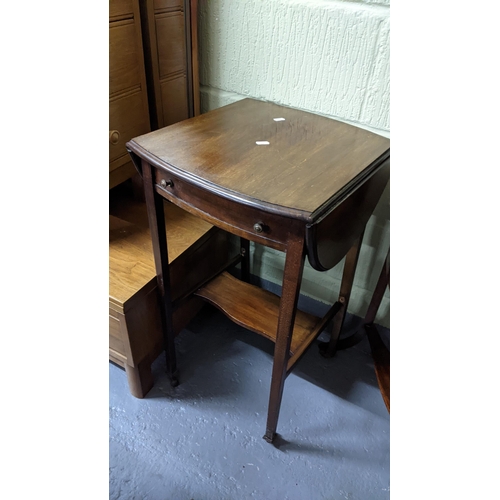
[229, 215]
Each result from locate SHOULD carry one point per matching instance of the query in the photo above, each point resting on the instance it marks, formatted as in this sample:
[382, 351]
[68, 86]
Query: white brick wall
[327, 57]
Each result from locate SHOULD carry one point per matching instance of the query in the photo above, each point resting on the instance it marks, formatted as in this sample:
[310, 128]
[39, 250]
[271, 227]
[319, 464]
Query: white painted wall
[329, 57]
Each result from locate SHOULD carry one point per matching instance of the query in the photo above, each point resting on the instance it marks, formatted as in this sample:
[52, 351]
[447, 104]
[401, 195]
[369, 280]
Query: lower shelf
[258, 310]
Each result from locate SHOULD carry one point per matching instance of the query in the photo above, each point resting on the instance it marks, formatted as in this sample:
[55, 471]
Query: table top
[291, 161]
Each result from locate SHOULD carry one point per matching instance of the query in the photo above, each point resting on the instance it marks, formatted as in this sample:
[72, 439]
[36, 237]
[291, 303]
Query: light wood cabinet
[153, 82]
[153, 72]
[128, 97]
[197, 252]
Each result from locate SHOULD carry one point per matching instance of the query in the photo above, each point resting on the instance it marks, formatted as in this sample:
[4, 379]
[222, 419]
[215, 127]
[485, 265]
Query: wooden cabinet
[153, 65]
[170, 43]
[128, 98]
[197, 252]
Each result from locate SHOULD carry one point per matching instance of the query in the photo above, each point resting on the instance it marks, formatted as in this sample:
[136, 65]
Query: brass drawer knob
[164, 183]
[257, 227]
[114, 136]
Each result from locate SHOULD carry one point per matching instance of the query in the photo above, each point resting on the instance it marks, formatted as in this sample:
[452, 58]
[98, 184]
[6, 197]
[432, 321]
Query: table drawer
[249, 222]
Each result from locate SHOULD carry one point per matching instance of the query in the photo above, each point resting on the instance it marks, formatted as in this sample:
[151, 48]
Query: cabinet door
[172, 66]
[169, 63]
[120, 8]
[128, 100]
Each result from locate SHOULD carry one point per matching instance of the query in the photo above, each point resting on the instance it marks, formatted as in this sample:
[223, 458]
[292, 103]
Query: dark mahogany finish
[304, 184]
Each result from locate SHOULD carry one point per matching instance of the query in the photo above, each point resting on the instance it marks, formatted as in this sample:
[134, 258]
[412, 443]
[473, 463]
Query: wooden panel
[126, 114]
[171, 42]
[169, 60]
[145, 335]
[128, 106]
[118, 162]
[168, 4]
[117, 358]
[131, 263]
[121, 174]
[174, 100]
[255, 309]
[144, 328]
[124, 58]
[144, 325]
[120, 8]
[201, 262]
[193, 47]
[115, 338]
[185, 312]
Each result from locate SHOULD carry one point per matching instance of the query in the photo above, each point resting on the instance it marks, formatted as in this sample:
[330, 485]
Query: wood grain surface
[128, 100]
[254, 308]
[131, 261]
[308, 159]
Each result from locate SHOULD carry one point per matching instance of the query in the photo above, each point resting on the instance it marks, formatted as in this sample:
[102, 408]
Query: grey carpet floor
[203, 439]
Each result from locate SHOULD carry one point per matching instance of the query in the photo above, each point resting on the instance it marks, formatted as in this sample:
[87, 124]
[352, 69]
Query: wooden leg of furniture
[140, 378]
[294, 265]
[378, 294]
[382, 362]
[156, 219]
[380, 353]
[328, 349]
[245, 260]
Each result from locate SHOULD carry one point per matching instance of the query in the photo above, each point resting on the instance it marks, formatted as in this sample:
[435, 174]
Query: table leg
[380, 353]
[351, 261]
[294, 266]
[156, 217]
[245, 260]
[378, 294]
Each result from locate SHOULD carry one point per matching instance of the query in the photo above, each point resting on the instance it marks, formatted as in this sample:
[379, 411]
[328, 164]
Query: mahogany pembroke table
[280, 177]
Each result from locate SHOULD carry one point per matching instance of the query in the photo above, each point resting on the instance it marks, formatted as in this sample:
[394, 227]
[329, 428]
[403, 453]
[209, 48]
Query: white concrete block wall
[329, 57]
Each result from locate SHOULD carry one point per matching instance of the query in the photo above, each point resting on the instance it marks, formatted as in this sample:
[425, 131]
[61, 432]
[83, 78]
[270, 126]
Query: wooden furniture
[128, 99]
[153, 72]
[171, 53]
[153, 75]
[280, 177]
[197, 251]
[380, 353]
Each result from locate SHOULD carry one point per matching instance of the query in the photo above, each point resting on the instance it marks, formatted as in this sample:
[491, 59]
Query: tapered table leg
[156, 217]
[351, 261]
[294, 265]
[380, 353]
[245, 260]
[378, 294]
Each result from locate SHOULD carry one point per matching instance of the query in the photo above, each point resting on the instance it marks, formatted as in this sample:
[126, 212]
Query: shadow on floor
[207, 346]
